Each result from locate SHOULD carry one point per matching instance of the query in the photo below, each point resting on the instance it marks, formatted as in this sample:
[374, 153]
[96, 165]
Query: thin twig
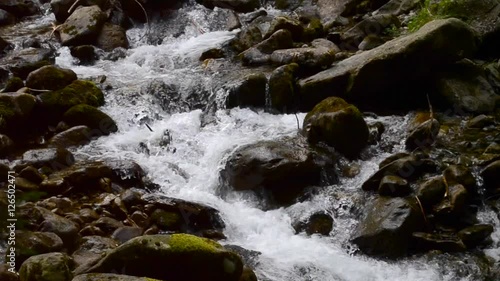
[73, 6]
[41, 91]
[149, 127]
[421, 209]
[297, 118]
[147, 18]
[430, 107]
[447, 187]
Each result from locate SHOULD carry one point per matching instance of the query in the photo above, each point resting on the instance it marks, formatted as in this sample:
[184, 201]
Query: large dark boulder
[249, 91]
[177, 257]
[338, 124]
[387, 227]
[282, 88]
[112, 36]
[376, 78]
[22, 62]
[20, 8]
[47, 267]
[261, 53]
[91, 117]
[284, 167]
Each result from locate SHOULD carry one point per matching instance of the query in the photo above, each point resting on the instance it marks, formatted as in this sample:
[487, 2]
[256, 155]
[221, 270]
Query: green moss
[185, 243]
[166, 220]
[313, 30]
[91, 117]
[331, 104]
[432, 10]
[13, 84]
[78, 92]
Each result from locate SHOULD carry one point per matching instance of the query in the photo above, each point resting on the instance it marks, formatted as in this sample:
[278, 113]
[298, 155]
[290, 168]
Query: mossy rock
[314, 29]
[91, 117]
[177, 257]
[13, 84]
[282, 87]
[338, 124]
[78, 92]
[166, 220]
[47, 267]
[15, 110]
[29, 244]
[292, 25]
[50, 78]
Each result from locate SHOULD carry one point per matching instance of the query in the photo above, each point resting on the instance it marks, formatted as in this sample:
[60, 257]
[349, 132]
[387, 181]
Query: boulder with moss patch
[50, 78]
[375, 78]
[177, 257]
[47, 267]
[112, 36]
[13, 84]
[15, 110]
[91, 117]
[338, 124]
[83, 26]
[57, 102]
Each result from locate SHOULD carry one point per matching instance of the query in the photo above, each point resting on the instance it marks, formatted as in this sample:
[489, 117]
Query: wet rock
[91, 230]
[164, 257]
[214, 53]
[247, 38]
[50, 78]
[370, 42]
[284, 167]
[126, 172]
[233, 22]
[376, 131]
[318, 223]
[364, 77]
[47, 267]
[73, 137]
[453, 205]
[324, 43]
[63, 227]
[85, 53]
[140, 219]
[196, 218]
[88, 215]
[108, 277]
[91, 117]
[371, 26]
[308, 58]
[90, 251]
[387, 227]
[22, 62]
[442, 242]
[338, 124]
[3, 44]
[250, 91]
[240, 6]
[464, 88]
[292, 25]
[31, 174]
[248, 274]
[112, 36]
[108, 225]
[35, 243]
[282, 88]
[166, 220]
[25, 185]
[82, 27]
[353, 7]
[5, 274]
[424, 135]
[493, 148]
[260, 53]
[13, 84]
[6, 145]
[394, 186]
[475, 235]
[125, 233]
[78, 92]
[491, 175]
[410, 167]
[432, 191]
[6, 18]
[55, 158]
[393, 158]
[458, 174]
[29, 216]
[20, 8]
[16, 110]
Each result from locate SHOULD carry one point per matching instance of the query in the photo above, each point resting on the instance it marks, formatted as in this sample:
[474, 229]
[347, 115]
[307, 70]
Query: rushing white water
[186, 161]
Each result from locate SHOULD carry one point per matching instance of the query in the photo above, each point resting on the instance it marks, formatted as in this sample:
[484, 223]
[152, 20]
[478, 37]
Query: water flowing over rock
[370, 78]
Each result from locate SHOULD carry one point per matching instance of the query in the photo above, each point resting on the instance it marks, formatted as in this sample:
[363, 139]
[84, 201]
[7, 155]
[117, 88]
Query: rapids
[184, 154]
